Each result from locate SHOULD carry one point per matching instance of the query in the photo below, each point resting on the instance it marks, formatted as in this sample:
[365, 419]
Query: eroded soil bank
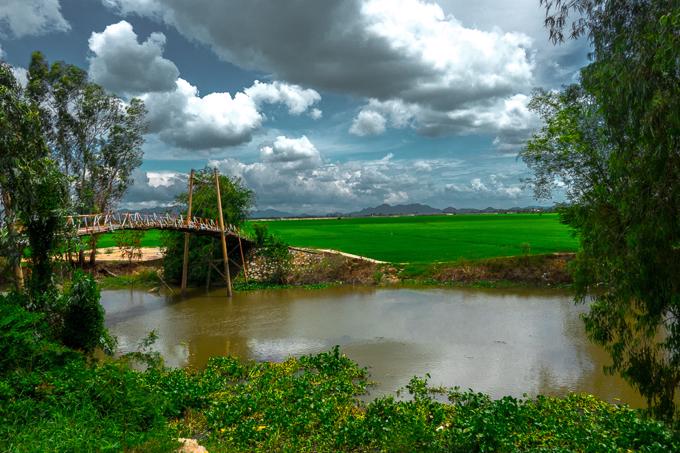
[314, 267]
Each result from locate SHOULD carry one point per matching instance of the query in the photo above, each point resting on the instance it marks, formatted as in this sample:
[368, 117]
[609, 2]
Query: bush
[83, 315]
[24, 337]
[274, 251]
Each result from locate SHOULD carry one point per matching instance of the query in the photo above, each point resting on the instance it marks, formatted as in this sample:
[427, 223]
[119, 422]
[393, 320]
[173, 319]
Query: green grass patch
[418, 239]
[152, 238]
[428, 239]
[144, 278]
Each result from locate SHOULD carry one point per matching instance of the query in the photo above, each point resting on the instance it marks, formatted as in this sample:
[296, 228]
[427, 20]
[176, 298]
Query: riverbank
[313, 267]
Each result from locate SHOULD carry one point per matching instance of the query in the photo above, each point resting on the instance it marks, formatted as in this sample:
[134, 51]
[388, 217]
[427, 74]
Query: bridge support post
[185, 261]
[223, 237]
[243, 259]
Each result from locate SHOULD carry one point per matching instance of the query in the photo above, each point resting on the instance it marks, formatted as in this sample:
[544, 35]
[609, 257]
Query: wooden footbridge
[230, 236]
[88, 224]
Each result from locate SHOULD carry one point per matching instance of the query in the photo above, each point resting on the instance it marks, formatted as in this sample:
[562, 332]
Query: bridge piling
[223, 237]
[185, 260]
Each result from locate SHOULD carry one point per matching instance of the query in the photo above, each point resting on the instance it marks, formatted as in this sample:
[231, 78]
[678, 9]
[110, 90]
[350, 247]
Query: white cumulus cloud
[292, 153]
[410, 56]
[296, 98]
[368, 122]
[183, 118]
[21, 18]
[123, 65]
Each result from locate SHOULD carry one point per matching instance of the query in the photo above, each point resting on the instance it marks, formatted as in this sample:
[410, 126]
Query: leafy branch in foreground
[613, 144]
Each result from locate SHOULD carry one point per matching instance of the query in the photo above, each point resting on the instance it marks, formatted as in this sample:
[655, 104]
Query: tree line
[66, 147]
[612, 143]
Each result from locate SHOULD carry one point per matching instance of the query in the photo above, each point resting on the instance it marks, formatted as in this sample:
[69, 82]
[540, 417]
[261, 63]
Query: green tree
[21, 143]
[42, 197]
[83, 315]
[236, 202]
[94, 136]
[274, 251]
[129, 242]
[614, 142]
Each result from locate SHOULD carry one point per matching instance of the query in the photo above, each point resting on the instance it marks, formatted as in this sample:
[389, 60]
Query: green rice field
[152, 238]
[426, 239]
[421, 239]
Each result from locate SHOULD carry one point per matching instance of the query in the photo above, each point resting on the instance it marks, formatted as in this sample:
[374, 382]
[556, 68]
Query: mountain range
[377, 211]
[399, 209]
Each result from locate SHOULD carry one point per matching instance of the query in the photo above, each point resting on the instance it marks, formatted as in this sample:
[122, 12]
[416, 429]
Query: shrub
[274, 251]
[83, 315]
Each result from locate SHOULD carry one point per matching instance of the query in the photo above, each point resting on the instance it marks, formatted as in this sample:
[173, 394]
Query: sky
[318, 106]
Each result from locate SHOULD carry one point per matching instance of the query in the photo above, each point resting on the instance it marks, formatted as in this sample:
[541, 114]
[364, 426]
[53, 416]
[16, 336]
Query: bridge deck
[104, 223]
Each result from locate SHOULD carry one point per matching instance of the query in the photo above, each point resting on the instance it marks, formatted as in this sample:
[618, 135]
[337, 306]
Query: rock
[190, 446]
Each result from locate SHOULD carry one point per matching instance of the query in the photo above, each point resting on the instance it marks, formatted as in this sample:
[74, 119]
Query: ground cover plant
[424, 239]
[53, 399]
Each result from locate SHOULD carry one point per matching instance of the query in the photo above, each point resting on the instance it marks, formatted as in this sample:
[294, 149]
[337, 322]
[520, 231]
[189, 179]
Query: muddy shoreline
[310, 267]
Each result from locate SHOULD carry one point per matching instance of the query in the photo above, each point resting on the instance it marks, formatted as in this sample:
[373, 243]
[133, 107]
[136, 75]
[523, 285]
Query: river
[500, 342]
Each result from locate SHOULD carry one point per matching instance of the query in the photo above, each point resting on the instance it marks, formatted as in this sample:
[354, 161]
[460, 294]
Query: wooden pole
[207, 278]
[185, 261]
[223, 237]
[243, 259]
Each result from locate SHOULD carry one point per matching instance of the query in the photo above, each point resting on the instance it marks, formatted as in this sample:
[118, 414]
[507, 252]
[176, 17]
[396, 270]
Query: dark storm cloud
[380, 49]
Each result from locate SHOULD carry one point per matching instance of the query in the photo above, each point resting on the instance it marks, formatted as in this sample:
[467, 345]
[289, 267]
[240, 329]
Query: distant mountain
[381, 210]
[272, 214]
[158, 210]
[490, 210]
[400, 209]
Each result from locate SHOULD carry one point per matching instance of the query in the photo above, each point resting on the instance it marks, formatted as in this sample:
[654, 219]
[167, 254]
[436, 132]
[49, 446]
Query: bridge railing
[101, 223]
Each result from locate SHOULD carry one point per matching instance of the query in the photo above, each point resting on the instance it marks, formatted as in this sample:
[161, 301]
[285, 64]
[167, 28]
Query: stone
[190, 446]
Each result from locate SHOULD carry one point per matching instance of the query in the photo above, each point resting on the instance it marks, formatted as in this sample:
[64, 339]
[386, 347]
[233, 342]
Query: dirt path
[114, 254]
[337, 252]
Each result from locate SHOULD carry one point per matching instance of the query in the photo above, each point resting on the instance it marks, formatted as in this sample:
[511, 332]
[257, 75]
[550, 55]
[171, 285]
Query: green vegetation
[143, 278]
[426, 239]
[53, 399]
[150, 238]
[611, 142]
[519, 271]
[93, 137]
[417, 239]
[204, 250]
[275, 253]
[129, 242]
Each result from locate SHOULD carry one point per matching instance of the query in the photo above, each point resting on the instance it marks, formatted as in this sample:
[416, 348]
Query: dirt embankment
[537, 270]
[311, 266]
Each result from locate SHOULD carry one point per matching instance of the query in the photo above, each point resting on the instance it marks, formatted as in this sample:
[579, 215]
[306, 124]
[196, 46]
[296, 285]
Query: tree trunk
[18, 276]
[93, 250]
[12, 234]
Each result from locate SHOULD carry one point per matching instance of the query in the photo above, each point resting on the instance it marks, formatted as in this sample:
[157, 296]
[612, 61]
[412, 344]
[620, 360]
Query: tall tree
[236, 202]
[615, 143]
[21, 142]
[95, 137]
[33, 189]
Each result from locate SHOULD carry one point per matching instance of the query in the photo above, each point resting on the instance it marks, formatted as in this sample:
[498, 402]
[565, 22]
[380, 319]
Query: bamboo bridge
[230, 237]
[88, 224]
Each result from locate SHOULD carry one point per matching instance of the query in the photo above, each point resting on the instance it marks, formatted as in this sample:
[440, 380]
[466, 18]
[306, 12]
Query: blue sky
[317, 106]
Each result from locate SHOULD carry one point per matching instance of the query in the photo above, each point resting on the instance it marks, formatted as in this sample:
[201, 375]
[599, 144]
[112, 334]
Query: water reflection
[498, 342]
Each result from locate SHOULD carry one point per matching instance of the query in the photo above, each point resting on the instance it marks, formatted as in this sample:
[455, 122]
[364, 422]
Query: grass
[427, 239]
[145, 278]
[152, 238]
[419, 239]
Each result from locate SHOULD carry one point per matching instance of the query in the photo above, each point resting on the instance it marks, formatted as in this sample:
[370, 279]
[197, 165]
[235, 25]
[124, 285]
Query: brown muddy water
[500, 342]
